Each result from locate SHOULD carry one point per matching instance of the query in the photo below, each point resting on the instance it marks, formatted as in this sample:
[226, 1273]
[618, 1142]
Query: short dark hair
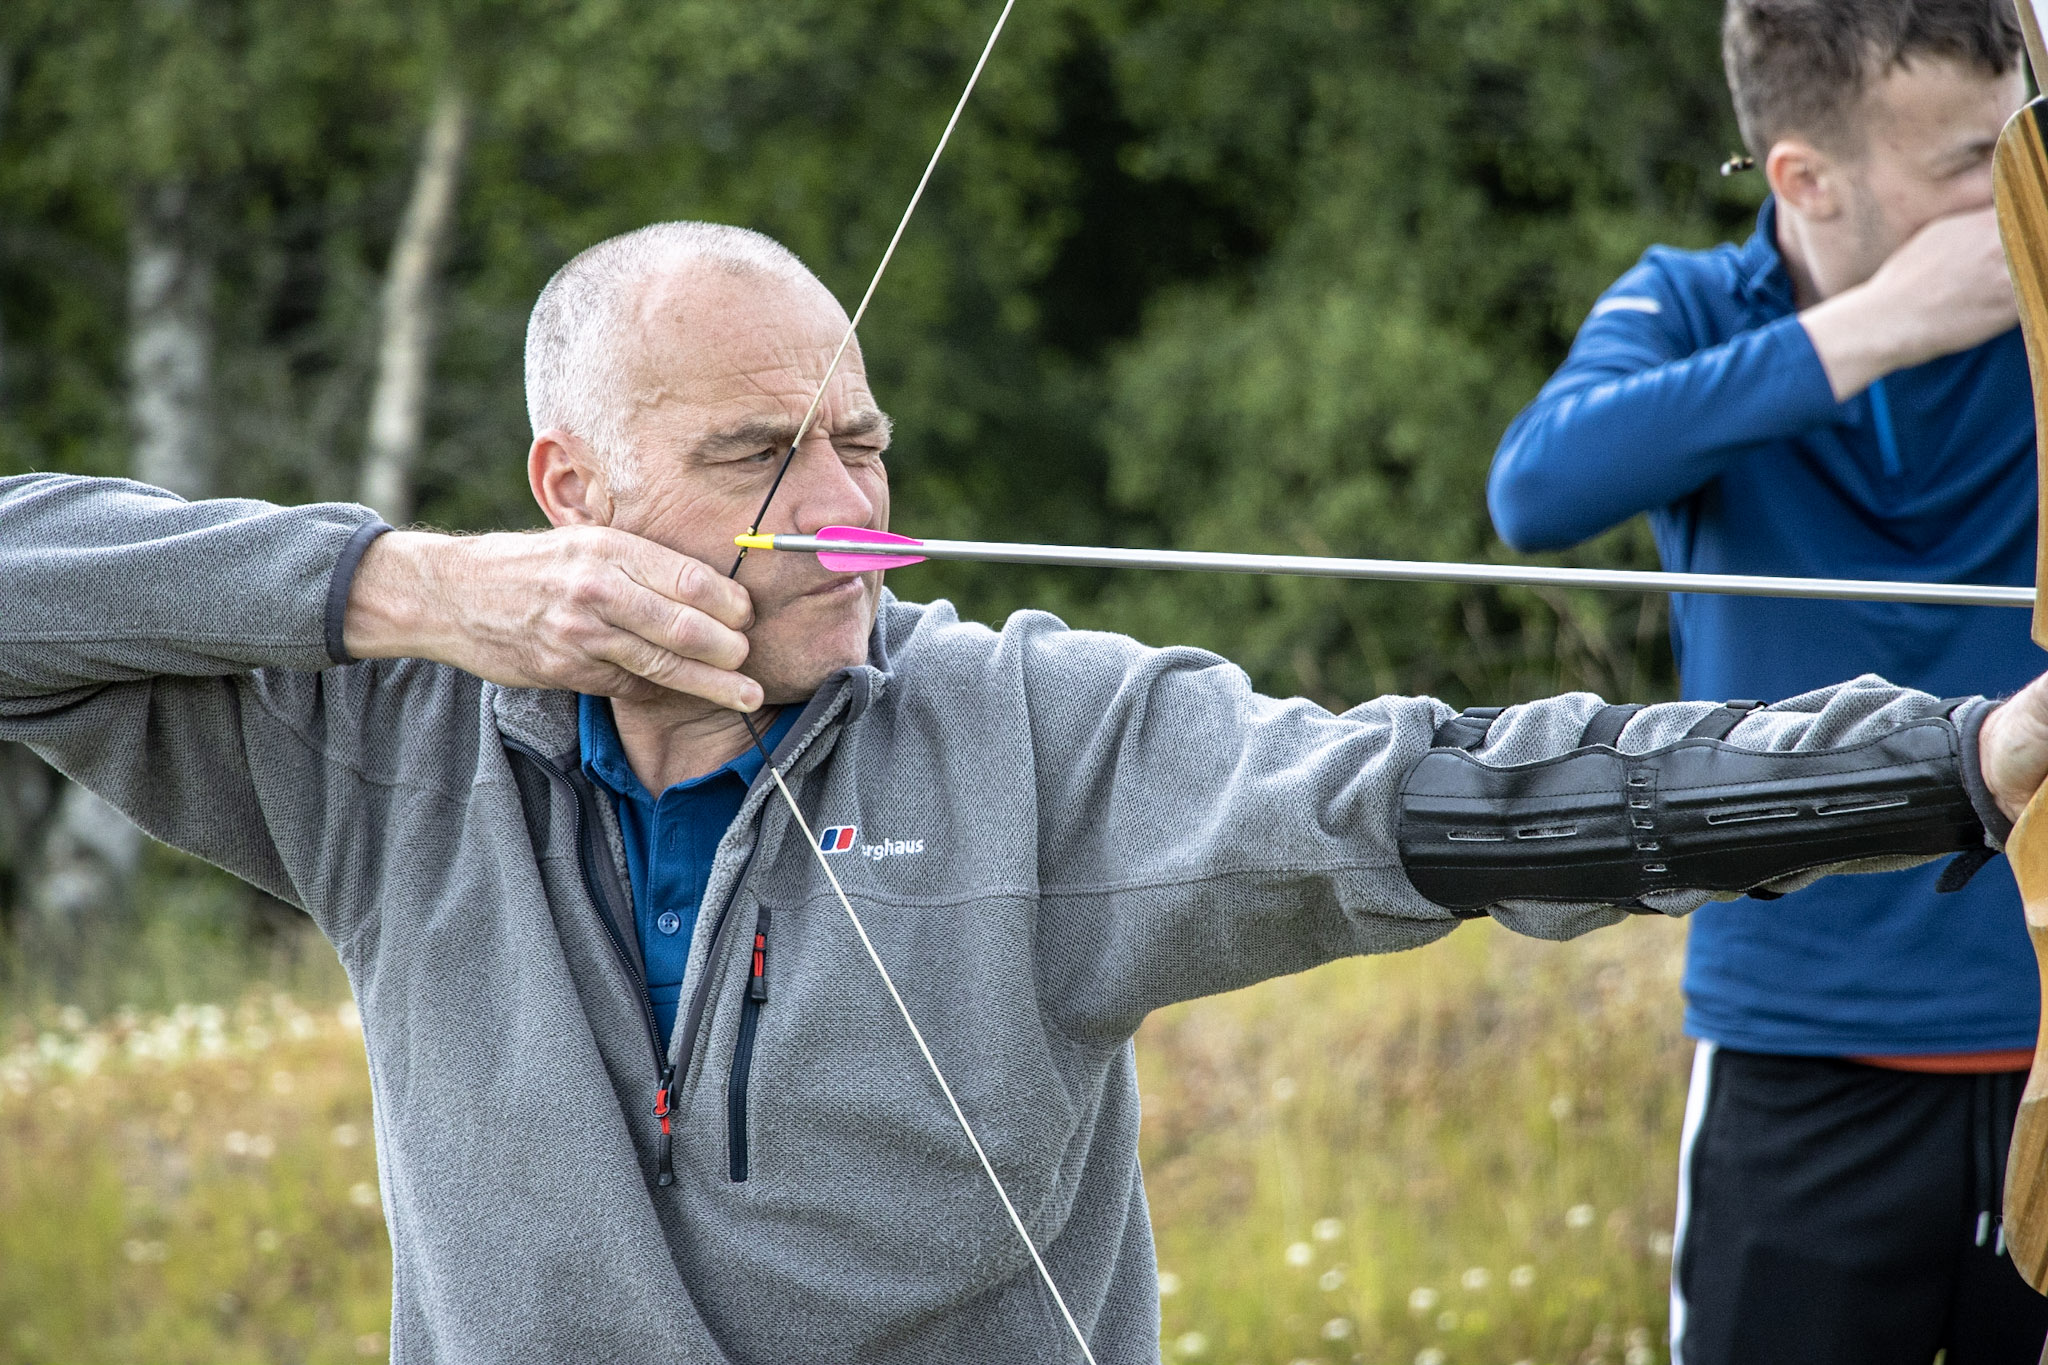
[1799, 66]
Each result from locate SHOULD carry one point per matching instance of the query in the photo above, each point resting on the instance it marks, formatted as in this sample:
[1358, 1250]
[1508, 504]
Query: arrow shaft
[1424, 571]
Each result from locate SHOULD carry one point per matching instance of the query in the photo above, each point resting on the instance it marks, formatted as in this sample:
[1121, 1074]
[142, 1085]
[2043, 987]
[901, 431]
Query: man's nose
[823, 490]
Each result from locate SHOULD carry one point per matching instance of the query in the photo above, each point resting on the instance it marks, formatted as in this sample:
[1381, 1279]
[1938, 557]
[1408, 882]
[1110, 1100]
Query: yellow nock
[754, 542]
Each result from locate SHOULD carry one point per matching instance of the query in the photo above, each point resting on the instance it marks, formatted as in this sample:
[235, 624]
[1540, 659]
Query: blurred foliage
[191, 933]
[1458, 1155]
[1262, 274]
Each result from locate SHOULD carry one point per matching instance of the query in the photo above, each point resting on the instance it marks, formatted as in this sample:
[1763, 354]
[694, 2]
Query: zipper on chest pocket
[743, 1050]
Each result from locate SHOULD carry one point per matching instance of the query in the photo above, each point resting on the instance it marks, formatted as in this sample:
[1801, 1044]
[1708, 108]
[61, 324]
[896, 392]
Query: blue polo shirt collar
[604, 754]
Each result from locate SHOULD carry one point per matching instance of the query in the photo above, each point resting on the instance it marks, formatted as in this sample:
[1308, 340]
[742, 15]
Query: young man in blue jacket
[1845, 395]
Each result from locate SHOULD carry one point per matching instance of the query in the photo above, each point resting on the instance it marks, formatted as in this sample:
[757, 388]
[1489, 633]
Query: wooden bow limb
[2020, 178]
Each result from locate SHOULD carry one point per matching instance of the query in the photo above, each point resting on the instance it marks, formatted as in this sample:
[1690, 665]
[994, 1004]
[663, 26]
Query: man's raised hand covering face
[665, 394]
[1886, 222]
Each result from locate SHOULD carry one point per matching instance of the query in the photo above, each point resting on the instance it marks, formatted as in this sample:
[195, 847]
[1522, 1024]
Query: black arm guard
[1603, 827]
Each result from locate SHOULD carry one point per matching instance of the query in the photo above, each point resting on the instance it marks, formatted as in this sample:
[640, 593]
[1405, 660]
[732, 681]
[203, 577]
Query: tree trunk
[170, 343]
[27, 805]
[397, 407]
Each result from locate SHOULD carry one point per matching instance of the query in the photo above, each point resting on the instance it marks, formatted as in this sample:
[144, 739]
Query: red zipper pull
[666, 1174]
[757, 982]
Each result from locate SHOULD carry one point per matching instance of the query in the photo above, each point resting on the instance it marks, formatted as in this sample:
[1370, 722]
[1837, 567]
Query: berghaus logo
[837, 838]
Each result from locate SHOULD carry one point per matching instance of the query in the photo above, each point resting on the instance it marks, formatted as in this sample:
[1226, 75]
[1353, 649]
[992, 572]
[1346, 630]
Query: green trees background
[1262, 274]
[1265, 273]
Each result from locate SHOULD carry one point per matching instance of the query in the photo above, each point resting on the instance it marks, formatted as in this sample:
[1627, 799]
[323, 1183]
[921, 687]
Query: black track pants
[1830, 1212]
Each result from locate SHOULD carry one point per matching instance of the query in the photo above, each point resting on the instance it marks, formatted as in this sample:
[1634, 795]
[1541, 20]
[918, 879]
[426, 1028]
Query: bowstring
[796, 811]
[875, 281]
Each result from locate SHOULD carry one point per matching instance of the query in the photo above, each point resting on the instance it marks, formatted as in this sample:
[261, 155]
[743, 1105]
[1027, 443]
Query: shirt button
[669, 922]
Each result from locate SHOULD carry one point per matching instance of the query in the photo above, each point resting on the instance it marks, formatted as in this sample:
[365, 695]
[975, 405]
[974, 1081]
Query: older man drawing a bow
[512, 780]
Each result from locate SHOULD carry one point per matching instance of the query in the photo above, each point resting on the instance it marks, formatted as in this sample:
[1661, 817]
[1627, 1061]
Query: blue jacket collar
[1763, 279]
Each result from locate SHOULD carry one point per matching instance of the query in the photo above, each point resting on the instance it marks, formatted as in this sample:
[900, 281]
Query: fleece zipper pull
[664, 1151]
[757, 981]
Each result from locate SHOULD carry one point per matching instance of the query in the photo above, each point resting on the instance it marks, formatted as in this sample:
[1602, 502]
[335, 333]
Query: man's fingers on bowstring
[678, 628]
[690, 583]
[626, 586]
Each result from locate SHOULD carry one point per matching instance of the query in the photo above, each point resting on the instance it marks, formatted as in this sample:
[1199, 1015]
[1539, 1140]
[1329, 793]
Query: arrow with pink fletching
[855, 549]
[876, 555]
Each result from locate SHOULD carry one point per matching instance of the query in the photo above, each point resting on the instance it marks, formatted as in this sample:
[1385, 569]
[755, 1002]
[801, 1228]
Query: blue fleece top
[670, 842]
[1694, 394]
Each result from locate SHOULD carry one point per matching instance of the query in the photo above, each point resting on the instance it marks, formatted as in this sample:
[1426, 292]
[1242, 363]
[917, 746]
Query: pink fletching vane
[845, 563]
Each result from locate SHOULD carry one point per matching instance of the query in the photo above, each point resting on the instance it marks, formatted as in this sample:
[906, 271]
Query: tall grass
[197, 1186]
[1463, 1154]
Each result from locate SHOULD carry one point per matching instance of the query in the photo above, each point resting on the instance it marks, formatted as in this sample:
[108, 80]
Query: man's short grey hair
[578, 356]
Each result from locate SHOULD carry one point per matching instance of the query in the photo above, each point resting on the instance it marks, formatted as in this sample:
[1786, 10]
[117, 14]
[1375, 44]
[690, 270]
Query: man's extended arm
[1196, 836]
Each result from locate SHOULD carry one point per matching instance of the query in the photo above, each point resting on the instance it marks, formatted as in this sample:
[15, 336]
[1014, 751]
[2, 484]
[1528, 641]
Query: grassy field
[1464, 1154]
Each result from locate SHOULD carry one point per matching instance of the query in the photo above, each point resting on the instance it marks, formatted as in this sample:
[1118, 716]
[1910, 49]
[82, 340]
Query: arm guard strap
[1602, 827]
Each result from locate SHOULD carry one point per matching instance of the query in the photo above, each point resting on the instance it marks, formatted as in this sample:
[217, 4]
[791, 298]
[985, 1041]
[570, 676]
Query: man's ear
[568, 480]
[1805, 179]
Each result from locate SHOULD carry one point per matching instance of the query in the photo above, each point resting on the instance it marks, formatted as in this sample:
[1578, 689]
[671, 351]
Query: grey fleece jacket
[1057, 832]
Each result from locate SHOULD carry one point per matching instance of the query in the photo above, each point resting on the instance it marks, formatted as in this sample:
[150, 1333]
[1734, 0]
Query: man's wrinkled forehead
[709, 332]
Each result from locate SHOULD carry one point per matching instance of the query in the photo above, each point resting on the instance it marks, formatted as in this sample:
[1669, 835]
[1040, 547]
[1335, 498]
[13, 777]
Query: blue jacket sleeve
[1641, 416]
